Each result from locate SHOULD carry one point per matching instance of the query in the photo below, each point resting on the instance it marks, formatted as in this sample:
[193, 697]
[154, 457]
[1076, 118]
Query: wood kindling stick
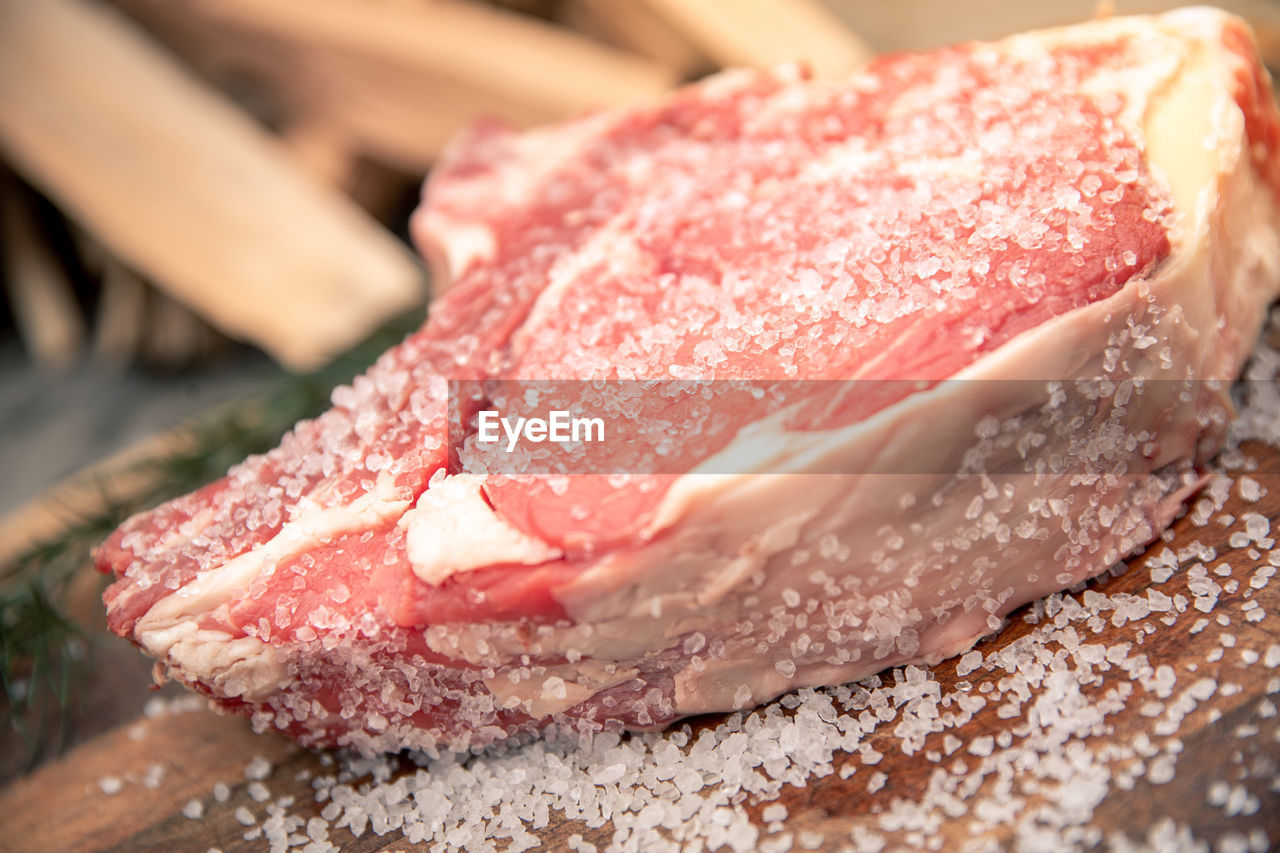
[187, 189]
[633, 25]
[766, 32]
[40, 296]
[118, 327]
[511, 56]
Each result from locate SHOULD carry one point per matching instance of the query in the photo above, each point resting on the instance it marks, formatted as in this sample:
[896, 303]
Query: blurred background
[202, 213]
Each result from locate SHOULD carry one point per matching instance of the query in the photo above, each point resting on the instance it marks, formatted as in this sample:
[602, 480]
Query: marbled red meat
[930, 235]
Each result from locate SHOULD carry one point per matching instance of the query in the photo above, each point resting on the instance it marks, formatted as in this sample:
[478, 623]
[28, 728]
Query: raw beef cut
[877, 361]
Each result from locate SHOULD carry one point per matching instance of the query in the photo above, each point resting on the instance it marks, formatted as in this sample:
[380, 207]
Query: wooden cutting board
[1226, 788]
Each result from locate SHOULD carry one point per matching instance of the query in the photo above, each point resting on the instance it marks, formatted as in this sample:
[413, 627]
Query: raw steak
[988, 290]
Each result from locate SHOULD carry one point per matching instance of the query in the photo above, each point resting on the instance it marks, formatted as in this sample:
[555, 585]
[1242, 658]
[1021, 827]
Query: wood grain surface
[1231, 739]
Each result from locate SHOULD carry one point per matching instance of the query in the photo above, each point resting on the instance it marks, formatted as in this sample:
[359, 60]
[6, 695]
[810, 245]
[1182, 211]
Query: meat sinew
[1018, 270]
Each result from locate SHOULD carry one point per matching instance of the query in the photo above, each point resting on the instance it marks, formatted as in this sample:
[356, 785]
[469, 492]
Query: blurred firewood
[401, 78]
[118, 326]
[186, 189]
[765, 32]
[387, 193]
[136, 323]
[173, 337]
[40, 295]
[322, 151]
[515, 58]
[633, 25]
[1268, 35]
[403, 124]
[545, 9]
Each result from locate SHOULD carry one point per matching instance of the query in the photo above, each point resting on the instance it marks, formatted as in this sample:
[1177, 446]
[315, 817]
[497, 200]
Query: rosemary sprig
[43, 650]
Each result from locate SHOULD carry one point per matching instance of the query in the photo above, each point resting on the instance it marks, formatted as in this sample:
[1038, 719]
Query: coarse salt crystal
[982, 746]
[1161, 770]
[1250, 489]
[257, 769]
[611, 774]
[153, 776]
[1257, 526]
[969, 662]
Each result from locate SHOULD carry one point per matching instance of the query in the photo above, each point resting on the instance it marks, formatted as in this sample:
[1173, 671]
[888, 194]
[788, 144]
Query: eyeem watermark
[559, 427]
[659, 427]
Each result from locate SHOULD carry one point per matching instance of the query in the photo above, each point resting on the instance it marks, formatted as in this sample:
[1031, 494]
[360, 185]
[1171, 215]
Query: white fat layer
[453, 528]
[168, 630]
[243, 667]
[468, 243]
